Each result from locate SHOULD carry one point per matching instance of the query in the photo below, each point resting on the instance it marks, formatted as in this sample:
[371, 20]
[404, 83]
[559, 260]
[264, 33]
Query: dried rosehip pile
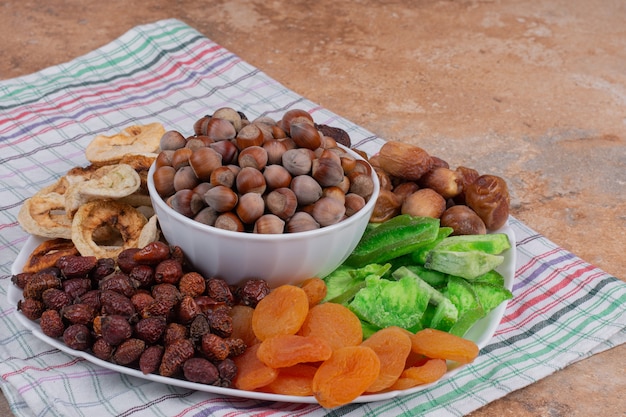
[147, 310]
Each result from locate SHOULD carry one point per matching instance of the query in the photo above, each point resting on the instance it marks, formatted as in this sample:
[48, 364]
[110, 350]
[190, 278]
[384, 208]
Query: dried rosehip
[219, 290]
[51, 323]
[187, 310]
[174, 332]
[192, 284]
[174, 356]
[152, 254]
[167, 292]
[92, 298]
[207, 303]
[115, 329]
[21, 279]
[168, 271]
[228, 371]
[198, 328]
[220, 321]
[118, 282]
[252, 291]
[200, 370]
[40, 282]
[141, 299]
[78, 313]
[77, 336]
[142, 275]
[31, 308]
[75, 287]
[126, 261]
[76, 266]
[55, 299]
[103, 268]
[214, 347]
[150, 359]
[116, 303]
[128, 351]
[236, 346]
[102, 350]
[150, 329]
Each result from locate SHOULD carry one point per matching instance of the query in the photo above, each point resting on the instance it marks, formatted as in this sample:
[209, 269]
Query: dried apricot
[345, 375]
[335, 323]
[429, 372]
[438, 344]
[282, 311]
[251, 372]
[392, 345]
[315, 289]
[294, 380]
[289, 349]
[242, 324]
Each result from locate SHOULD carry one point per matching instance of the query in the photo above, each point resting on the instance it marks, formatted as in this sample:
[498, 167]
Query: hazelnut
[301, 222]
[327, 169]
[353, 203]
[221, 198]
[306, 189]
[269, 224]
[180, 157]
[172, 140]
[282, 202]
[253, 156]
[231, 115]
[305, 135]
[276, 176]
[227, 149]
[249, 135]
[251, 206]
[186, 202]
[164, 180]
[275, 150]
[218, 129]
[203, 161]
[222, 176]
[185, 178]
[361, 184]
[327, 211]
[297, 161]
[250, 180]
[229, 221]
[294, 114]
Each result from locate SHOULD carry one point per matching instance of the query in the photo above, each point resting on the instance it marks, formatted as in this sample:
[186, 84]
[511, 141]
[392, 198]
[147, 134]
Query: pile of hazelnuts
[262, 176]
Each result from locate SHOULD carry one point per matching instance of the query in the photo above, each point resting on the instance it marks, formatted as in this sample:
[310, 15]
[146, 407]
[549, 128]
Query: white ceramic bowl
[279, 259]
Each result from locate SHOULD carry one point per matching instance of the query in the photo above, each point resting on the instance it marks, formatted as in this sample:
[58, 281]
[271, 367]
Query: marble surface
[534, 91]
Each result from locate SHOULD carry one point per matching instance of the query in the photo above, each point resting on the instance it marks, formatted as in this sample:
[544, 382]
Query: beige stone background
[534, 91]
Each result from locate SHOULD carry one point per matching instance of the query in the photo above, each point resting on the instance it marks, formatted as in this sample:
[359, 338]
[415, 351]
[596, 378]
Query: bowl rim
[157, 200]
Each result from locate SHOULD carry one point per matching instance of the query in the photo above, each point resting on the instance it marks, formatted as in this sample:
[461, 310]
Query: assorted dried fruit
[390, 318]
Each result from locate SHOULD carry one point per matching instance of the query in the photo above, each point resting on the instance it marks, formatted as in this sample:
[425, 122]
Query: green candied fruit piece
[396, 237]
[493, 244]
[468, 265]
[385, 303]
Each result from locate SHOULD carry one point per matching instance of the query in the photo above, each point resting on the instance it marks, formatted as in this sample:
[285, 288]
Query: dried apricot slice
[294, 380]
[429, 372]
[438, 344]
[289, 349]
[315, 289]
[242, 324]
[282, 311]
[345, 375]
[251, 372]
[335, 323]
[392, 345]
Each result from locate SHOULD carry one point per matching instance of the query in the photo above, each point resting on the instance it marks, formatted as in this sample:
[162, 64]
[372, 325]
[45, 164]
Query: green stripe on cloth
[564, 309]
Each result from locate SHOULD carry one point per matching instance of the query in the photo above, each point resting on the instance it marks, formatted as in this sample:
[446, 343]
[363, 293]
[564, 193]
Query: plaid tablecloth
[563, 310]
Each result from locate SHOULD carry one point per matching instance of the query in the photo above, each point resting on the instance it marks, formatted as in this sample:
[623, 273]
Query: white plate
[480, 333]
